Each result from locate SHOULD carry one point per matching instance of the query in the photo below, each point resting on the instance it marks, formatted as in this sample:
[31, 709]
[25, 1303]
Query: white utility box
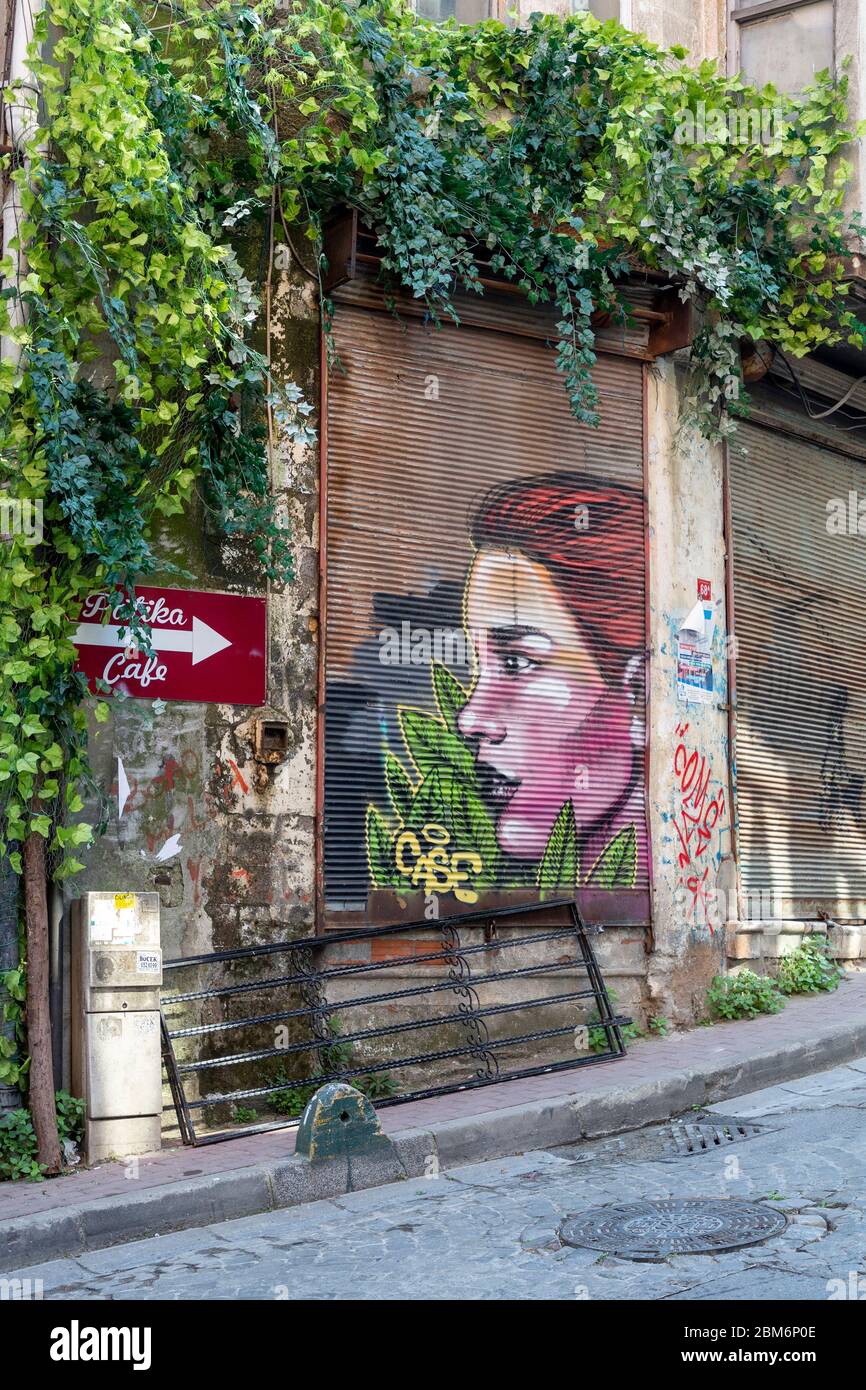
[116, 1054]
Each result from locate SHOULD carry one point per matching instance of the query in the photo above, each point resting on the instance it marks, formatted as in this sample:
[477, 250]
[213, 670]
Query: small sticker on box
[148, 962]
[123, 900]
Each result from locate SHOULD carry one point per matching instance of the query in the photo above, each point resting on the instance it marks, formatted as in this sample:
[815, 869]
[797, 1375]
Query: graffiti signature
[435, 868]
[697, 814]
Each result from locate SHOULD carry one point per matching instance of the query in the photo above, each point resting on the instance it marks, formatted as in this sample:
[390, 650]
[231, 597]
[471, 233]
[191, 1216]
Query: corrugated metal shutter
[799, 600]
[429, 434]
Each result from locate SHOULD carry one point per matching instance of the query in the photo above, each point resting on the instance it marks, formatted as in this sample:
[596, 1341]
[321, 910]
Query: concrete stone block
[49, 1235]
[122, 1138]
[742, 947]
[374, 1169]
[220, 1197]
[416, 1150]
[339, 1121]
[297, 1180]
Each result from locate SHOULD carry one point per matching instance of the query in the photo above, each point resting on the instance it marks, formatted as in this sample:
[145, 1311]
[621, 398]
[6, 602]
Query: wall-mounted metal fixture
[272, 741]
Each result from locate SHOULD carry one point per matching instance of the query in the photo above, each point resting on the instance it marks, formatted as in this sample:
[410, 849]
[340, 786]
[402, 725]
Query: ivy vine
[170, 137]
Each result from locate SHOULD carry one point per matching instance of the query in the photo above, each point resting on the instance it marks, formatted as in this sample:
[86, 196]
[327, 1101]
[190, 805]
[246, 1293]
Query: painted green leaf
[442, 799]
[431, 746]
[616, 866]
[560, 863]
[400, 786]
[451, 696]
[380, 851]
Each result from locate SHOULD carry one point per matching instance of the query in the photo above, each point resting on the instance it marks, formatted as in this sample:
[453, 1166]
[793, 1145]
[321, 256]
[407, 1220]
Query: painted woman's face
[546, 724]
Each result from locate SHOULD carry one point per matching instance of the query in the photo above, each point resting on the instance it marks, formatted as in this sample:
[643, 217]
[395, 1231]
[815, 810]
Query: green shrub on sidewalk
[18, 1140]
[744, 995]
[810, 968]
[597, 1040]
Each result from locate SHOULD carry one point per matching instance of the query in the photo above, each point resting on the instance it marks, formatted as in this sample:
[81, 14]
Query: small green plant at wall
[597, 1040]
[809, 968]
[13, 1062]
[290, 1100]
[18, 1139]
[334, 1058]
[744, 995]
[658, 1026]
[244, 1115]
[377, 1086]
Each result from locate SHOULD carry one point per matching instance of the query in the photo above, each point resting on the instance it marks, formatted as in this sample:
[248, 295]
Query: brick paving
[696, 1050]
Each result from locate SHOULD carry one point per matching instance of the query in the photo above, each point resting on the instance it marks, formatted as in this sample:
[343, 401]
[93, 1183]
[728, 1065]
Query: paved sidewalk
[493, 1230]
[660, 1078]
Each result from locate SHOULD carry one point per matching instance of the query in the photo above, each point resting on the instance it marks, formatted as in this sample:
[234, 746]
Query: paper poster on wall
[695, 656]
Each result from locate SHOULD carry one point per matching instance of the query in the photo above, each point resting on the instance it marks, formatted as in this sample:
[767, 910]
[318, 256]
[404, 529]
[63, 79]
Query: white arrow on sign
[202, 641]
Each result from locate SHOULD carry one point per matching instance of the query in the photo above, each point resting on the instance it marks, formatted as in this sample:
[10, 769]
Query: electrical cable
[820, 414]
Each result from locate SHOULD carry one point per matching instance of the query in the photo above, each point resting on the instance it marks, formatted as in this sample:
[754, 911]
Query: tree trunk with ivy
[42, 1107]
[10, 1096]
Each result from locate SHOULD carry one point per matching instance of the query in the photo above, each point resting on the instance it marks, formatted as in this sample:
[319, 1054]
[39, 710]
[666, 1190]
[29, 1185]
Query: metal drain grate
[673, 1226]
[703, 1136]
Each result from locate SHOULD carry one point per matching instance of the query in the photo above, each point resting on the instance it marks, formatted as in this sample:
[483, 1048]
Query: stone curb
[414, 1153]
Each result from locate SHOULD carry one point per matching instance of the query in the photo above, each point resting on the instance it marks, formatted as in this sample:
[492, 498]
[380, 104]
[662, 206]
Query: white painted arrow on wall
[202, 641]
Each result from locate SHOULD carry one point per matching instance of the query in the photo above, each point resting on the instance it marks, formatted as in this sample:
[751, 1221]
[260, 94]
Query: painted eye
[514, 663]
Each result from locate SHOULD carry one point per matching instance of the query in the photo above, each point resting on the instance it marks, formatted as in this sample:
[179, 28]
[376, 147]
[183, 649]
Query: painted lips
[496, 787]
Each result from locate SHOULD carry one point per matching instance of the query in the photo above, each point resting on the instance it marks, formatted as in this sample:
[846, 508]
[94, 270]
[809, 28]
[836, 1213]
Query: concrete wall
[851, 46]
[245, 870]
[689, 791]
[699, 25]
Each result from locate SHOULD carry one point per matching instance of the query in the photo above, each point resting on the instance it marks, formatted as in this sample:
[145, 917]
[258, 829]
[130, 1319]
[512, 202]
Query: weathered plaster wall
[850, 41]
[699, 25]
[688, 784]
[245, 869]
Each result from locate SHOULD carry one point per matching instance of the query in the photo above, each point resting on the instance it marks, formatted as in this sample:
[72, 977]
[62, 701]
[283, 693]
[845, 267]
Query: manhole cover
[673, 1226]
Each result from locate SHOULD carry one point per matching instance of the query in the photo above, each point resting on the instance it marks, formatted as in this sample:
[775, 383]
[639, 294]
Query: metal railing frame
[309, 974]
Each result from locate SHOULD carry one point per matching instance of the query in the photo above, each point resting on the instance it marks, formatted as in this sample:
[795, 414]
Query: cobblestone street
[489, 1231]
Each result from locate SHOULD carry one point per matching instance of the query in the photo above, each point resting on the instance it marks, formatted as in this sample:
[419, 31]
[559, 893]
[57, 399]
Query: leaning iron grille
[320, 1051]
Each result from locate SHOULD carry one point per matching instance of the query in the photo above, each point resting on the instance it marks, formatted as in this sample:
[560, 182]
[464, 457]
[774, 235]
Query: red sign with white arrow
[208, 647]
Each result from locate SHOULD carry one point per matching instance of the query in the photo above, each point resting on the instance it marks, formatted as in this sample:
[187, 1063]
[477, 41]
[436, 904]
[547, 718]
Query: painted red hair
[589, 535]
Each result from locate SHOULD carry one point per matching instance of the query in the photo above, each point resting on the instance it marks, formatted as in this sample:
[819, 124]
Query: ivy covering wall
[564, 151]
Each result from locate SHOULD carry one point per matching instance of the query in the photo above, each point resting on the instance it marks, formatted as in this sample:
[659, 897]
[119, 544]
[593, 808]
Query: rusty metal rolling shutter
[799, 599]
[423, 425]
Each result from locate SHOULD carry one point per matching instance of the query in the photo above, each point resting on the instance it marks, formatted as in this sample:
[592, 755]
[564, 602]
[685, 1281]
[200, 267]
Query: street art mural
[517, 760]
